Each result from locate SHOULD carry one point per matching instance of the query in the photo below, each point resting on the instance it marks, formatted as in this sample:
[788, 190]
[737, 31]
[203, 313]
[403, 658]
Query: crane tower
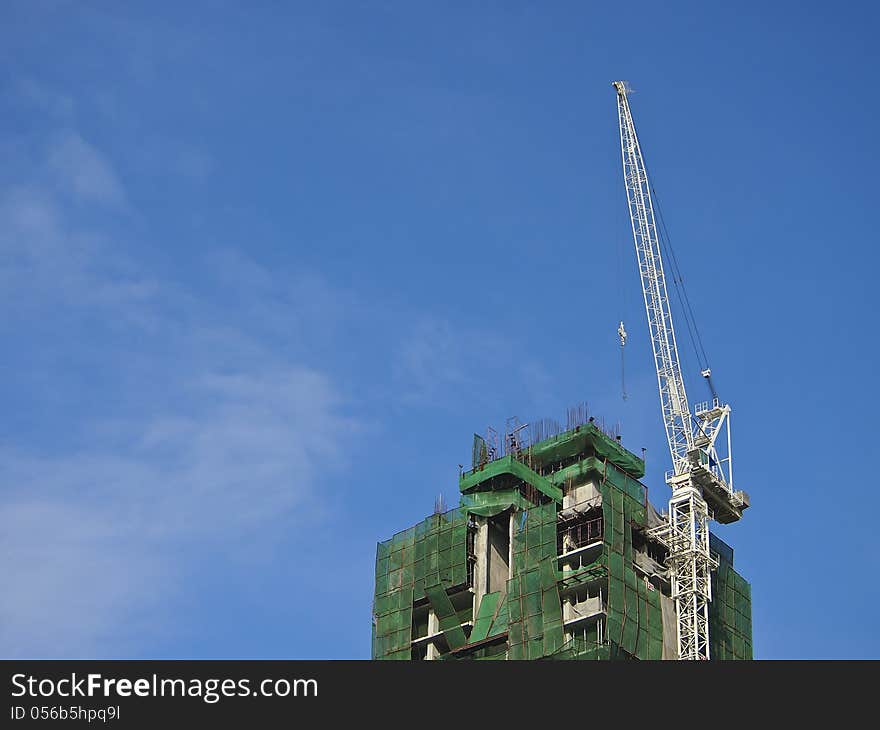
[701, 478]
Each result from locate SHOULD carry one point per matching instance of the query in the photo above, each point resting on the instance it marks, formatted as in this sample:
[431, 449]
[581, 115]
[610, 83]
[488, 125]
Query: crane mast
[699, 472]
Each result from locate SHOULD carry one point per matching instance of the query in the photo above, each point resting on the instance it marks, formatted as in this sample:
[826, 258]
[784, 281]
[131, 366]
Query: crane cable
[681, 290]
[685, 302]
[621, 330]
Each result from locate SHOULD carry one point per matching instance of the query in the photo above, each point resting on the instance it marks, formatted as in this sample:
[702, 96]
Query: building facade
[547, 556]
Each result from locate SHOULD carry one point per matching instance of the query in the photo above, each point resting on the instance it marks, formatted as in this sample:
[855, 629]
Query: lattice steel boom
[699, 472]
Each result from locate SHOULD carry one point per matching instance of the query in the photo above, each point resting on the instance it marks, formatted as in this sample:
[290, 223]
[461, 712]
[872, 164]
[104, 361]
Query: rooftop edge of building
[556, 451]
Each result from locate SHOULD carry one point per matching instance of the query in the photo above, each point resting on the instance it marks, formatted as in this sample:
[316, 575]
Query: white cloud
[94, 543]
[47, 260]
[72, 577]
[441, 365]
[84, 171]
[97, 538]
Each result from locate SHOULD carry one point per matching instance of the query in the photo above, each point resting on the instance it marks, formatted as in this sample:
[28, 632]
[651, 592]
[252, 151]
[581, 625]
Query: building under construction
[552, 554]
[555, 550]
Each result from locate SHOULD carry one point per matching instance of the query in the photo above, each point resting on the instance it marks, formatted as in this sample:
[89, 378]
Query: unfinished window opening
[498, 553]
[580, 530]
[420, 622]
[532, 494]
[496, 649]
[586, 601]
[590, 590]
[649, 547]
[657, 552]
[463, 603]
[440, 645]
[583, 634]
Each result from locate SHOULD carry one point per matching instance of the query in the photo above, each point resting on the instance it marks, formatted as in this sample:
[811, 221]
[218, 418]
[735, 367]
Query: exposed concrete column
[433, 628]
[498, 553]
[511, 526]
[481, 568]
[581, 493]
[670, 628]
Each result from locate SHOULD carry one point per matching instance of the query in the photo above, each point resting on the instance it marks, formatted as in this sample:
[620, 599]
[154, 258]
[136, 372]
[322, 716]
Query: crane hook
[707, 373]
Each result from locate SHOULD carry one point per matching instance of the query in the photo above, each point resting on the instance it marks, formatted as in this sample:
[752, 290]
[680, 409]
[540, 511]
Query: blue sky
[265, 269]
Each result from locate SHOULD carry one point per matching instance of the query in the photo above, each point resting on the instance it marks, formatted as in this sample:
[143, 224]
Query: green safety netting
[493, 502]
[534, 607]
[450, 623]
[485, 616]
[512, 468]
[587, 439]
[426, 563]
[730, 615]
[634, 622]
[480, 451]
[432, 553]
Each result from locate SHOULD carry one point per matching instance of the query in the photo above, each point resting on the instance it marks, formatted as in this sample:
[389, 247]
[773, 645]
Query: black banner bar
[264, 693]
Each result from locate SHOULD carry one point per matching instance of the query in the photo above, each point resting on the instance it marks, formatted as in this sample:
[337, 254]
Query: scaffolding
[584, 578]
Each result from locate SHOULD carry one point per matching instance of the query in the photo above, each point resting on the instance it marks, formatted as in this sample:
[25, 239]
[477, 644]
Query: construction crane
[699, 444]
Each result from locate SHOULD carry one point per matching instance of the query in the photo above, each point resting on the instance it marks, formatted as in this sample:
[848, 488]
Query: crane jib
[673, 395]
[698, 473]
